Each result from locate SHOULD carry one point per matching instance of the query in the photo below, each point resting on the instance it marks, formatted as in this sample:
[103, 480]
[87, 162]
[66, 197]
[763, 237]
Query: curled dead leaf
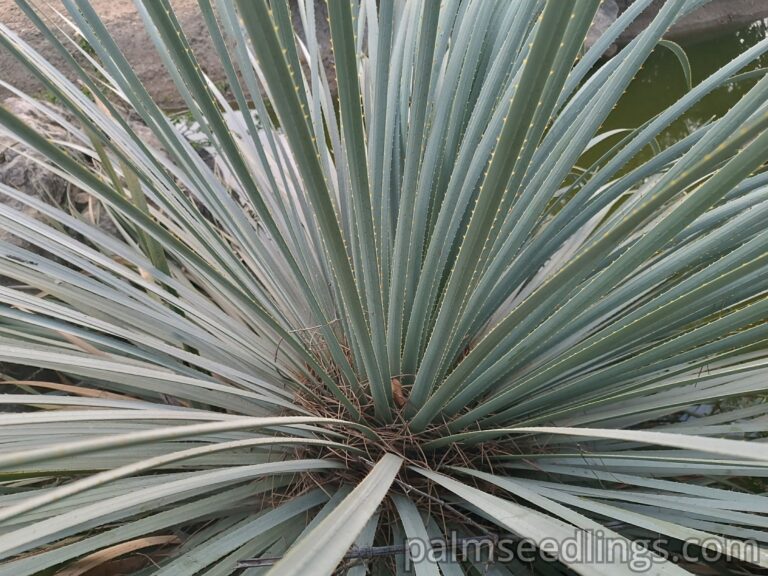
[397, 393]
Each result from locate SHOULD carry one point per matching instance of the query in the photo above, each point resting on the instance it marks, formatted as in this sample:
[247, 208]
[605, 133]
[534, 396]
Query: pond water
[661, 82]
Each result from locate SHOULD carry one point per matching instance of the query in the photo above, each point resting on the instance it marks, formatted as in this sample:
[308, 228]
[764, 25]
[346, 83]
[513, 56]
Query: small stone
[605, 16]
[19, 170]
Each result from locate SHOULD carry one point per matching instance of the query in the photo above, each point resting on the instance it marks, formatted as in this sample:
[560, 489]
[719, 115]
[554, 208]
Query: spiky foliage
[403, 313]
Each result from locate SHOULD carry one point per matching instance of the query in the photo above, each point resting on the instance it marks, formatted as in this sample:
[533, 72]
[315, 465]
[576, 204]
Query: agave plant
[400, 307]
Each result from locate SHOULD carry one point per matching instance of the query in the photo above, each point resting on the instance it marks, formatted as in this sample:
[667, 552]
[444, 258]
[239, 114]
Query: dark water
[661, 82]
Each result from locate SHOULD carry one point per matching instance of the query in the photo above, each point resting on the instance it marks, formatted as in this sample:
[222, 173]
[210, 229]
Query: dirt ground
[124, 23]
[121, 18]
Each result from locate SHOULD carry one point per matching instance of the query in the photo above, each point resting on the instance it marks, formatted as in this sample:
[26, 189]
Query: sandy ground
[121, 18]
[124, 23]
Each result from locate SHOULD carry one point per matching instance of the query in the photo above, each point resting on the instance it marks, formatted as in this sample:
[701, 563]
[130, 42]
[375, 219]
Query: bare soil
[123, 21]
[121, 18]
